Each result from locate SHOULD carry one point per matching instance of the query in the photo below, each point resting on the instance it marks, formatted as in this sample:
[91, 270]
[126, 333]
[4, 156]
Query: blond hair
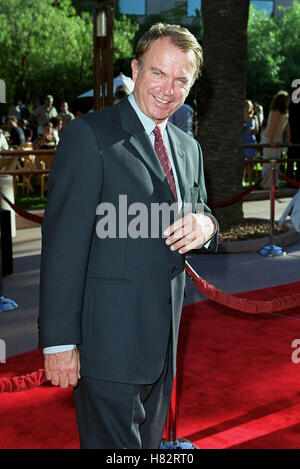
[179, 36]
[250, 106]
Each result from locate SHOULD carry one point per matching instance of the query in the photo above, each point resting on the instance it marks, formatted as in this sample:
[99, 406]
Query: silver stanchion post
[272, 250]
[172, 442]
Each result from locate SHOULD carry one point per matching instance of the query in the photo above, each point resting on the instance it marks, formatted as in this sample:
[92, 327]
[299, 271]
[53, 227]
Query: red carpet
[237, 384]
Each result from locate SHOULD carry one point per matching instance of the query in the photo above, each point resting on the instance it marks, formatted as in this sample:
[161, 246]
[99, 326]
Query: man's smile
[162, 101]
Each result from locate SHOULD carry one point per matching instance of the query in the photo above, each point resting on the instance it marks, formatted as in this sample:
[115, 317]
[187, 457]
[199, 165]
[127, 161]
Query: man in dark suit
[111, 287]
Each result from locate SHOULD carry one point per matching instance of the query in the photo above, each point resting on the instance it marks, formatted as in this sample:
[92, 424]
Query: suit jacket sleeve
[212, 243]
[74, 190]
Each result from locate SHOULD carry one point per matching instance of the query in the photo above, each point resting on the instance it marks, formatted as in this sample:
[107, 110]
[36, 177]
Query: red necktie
[164, 159]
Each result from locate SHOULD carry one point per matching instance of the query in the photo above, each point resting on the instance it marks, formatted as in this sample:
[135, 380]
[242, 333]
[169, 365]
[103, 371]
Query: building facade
[151, 7]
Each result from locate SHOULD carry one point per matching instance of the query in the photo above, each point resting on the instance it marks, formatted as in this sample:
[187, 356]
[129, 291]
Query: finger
[193, 245]
[177, 224]
[78, 373]
[180, 234]
[182, 242]
[55, 379]
[73, 380]
[64, 380]
[73, 377]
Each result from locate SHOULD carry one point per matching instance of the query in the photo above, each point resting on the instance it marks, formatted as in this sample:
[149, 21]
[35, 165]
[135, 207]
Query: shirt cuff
[58, 349]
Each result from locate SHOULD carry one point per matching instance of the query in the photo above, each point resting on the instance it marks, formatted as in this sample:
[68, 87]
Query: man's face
[163, 81]
[48, 103]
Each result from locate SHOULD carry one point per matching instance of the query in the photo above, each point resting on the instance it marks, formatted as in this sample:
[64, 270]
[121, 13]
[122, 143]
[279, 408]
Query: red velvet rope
[21, 212]
[243, 304]
[37, 378]
[290, 181]
[236, 198]
[22, 383]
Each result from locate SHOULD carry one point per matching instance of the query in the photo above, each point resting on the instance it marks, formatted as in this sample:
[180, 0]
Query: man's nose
[168, 88]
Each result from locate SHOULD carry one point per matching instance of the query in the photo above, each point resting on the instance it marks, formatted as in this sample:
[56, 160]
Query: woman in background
[294, 152]
[277, 124]
[250, 129]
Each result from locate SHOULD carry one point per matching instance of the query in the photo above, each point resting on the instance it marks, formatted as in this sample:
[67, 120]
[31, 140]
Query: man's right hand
[63, 368]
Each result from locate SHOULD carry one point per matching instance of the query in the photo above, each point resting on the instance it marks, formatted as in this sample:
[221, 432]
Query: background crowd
[282, 126]
[41, 128]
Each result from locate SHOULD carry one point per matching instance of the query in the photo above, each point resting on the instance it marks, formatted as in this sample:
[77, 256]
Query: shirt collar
[148, 124]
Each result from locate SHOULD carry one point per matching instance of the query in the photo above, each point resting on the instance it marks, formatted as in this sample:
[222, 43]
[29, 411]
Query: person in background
[20, 110]
[294, 152]
[65, 114]
[120, 93]
[250, 129]
[57, 127]
[183, 119]
[28, 132]
[48, 139]
[43, 114]
[258, 111]
[277, 124]
[3, 141]
[16, 134]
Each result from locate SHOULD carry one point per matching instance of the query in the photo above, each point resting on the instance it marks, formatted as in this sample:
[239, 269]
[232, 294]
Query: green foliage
[44, 48]
[125, 30]
[47, 47]
[273, 53]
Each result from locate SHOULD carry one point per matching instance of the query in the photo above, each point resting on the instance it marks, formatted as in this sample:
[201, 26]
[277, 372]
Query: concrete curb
[253, 245]
[264, 194]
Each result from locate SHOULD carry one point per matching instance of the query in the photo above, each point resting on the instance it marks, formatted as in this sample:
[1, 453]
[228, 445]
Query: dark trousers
[123, 416]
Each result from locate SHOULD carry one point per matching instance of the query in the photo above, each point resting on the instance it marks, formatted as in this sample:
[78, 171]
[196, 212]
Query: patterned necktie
[162, 153]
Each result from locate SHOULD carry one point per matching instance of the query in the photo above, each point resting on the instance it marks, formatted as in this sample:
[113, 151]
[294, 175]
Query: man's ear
[134, 69]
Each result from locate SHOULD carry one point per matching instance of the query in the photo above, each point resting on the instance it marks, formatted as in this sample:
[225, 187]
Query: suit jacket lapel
[139, 139]
[179, 157]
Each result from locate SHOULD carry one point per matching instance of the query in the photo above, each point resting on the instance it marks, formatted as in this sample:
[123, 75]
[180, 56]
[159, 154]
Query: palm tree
[221, 101]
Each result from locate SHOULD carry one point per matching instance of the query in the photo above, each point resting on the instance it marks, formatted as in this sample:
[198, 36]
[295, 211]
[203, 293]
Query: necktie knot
[157, 132]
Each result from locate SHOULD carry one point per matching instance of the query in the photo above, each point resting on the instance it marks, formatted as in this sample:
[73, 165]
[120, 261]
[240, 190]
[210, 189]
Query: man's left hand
[189, 232]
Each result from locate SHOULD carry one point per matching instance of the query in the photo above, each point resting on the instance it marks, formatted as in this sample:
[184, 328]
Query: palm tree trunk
[221, 97]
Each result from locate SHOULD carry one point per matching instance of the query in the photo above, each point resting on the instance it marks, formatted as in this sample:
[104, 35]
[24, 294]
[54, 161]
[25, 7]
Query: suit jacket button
[170, 300]
[174, 268]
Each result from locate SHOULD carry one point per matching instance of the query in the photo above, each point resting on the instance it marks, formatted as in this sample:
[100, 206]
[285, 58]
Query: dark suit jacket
[119, 299]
